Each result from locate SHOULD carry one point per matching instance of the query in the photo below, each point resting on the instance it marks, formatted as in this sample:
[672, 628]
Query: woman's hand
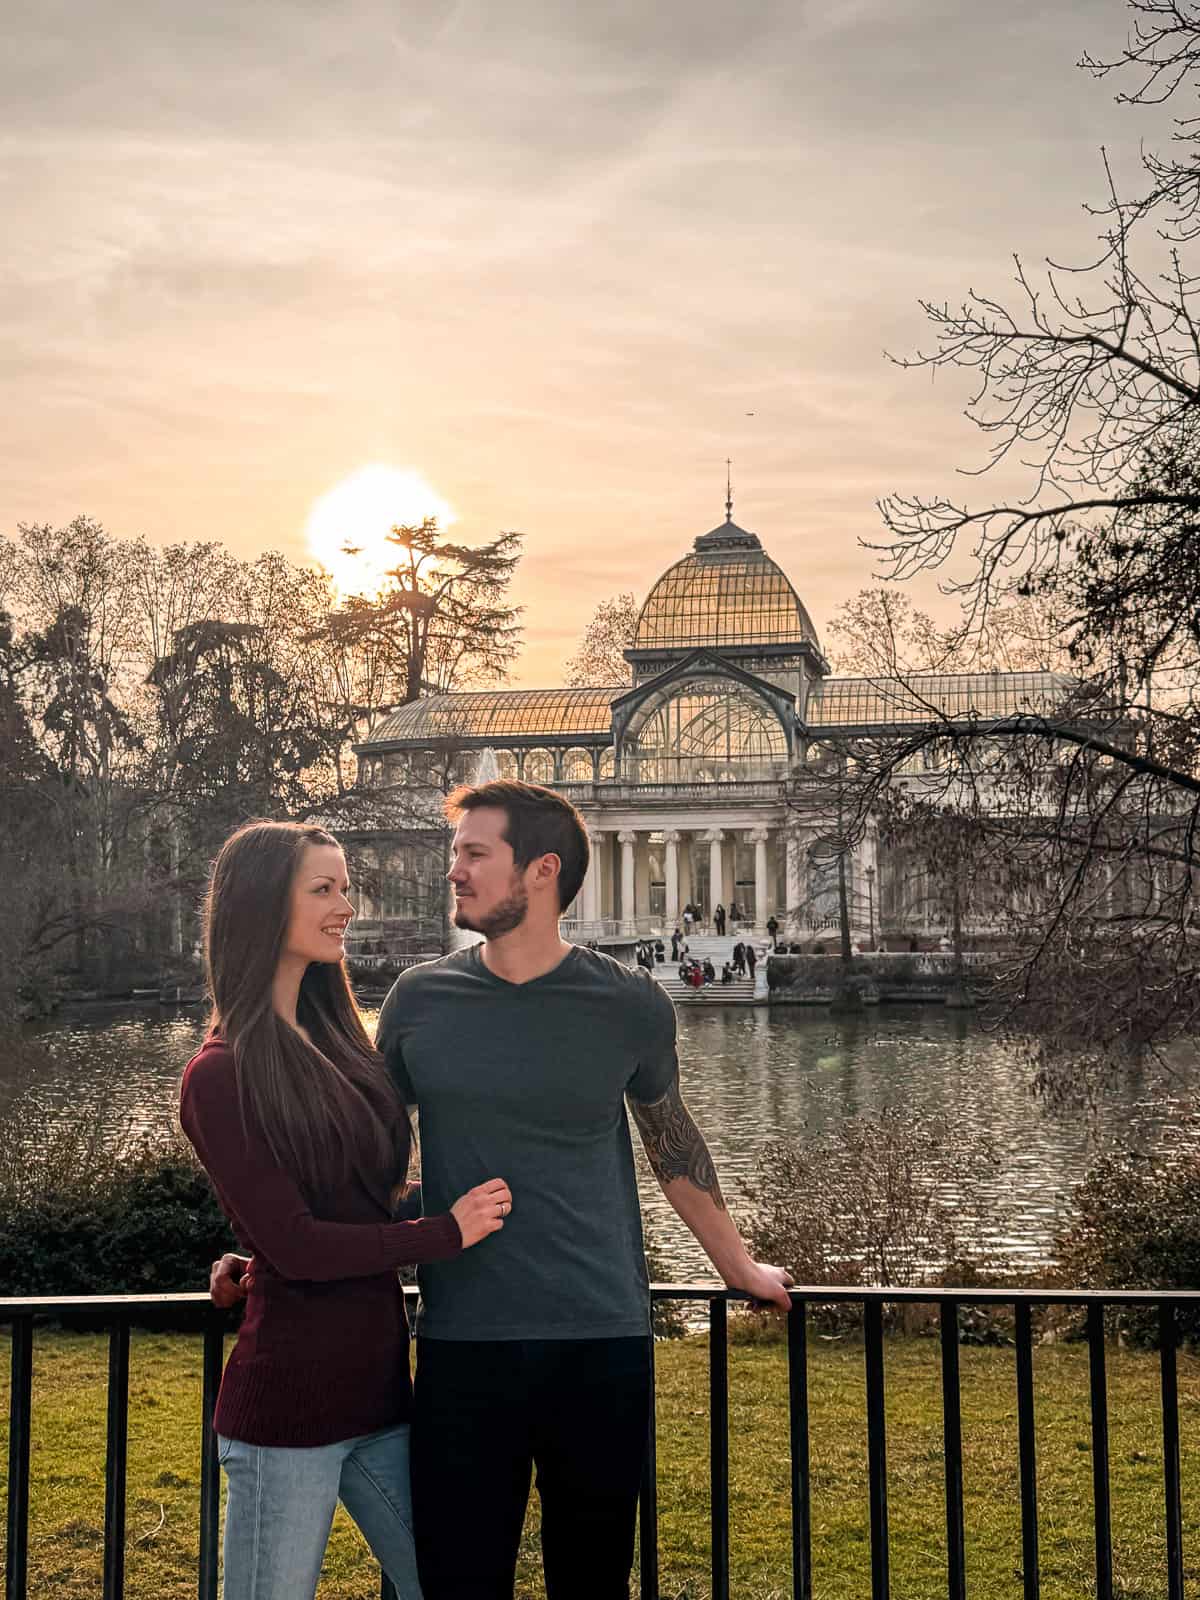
[482, 1210]
[230, 1280]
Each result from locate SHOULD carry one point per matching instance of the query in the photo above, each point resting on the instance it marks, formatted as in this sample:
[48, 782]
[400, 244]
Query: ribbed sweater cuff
[431, 1239]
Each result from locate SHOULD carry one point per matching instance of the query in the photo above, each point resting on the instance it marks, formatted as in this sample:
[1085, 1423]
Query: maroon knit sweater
[322, 1354]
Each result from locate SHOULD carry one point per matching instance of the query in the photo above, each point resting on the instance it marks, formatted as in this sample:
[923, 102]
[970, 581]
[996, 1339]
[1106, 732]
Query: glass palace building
[686, 776]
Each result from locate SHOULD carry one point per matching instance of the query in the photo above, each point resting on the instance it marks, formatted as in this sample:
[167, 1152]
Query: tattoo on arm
[675, 1145]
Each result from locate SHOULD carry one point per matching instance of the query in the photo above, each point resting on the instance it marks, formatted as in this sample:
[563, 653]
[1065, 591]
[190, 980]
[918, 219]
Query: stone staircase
[709, 947]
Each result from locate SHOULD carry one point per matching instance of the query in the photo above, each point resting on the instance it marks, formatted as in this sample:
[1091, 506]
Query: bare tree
[879, 633]
[1087, 379]
[177, 590]
[600, 658]
[72, 590]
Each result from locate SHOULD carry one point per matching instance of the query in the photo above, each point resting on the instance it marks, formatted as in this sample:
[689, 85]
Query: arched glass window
[539, 766]
[709, 729]
[506, 764]
[577, 766]
[607, 763]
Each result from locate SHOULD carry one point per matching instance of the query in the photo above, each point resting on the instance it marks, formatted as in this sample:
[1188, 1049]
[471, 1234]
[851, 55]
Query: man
[773, 930]
[751, 957]
[519, 1053]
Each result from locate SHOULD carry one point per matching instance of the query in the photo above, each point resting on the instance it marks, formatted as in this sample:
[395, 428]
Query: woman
[291, 1112]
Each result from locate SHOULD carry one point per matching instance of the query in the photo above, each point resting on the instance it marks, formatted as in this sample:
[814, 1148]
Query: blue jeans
[280, 1509]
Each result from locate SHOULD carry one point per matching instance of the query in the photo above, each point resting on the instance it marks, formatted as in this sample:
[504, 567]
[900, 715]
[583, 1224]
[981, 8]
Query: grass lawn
[67, 1489]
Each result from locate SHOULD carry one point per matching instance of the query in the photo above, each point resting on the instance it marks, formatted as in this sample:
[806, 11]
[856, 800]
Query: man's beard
[509, 914]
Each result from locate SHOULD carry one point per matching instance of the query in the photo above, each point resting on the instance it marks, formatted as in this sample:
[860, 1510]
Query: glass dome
[728, 591]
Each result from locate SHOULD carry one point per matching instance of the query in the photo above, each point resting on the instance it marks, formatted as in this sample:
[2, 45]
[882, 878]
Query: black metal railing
[121, 1312]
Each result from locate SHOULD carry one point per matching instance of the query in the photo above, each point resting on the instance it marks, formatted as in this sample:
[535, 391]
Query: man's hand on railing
[230, 1279]
[766, 1285]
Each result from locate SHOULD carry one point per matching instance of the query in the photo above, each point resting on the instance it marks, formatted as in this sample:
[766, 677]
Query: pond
[749, 1075]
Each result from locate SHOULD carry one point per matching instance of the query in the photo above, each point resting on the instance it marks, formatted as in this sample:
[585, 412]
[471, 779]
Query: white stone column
[590, 911]
[671, 867]
[794, 879]
[366, 909]
[716, 871]
[627, 840]
[641, 876]
[604, 883]
[687, 881]
[758, 838]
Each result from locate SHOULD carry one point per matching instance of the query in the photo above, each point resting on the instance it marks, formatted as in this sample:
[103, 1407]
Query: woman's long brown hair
[324, 1109]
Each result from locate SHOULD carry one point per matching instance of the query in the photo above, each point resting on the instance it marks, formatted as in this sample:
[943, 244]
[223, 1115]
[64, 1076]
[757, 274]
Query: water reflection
[748, 1075]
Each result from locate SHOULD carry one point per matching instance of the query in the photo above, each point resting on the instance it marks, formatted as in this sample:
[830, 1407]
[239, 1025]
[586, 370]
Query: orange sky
[547, 256]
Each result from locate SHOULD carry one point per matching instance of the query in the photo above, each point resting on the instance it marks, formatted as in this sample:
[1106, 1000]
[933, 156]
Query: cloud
[549, 253]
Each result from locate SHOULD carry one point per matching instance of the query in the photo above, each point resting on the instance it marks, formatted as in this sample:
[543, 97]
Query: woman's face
[320, 913]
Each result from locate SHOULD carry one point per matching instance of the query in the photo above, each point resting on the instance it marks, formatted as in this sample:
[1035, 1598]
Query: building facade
[687, 776]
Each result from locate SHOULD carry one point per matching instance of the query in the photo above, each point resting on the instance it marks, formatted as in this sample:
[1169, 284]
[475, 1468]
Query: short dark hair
[538, 823]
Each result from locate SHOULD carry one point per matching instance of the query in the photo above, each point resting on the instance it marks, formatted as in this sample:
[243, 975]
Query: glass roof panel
[924, 697]
[500, 713]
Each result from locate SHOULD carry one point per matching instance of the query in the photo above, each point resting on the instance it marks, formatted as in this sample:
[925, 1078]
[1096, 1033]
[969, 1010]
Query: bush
[668, 1318]
[880, 1200]
[1136, 1225]
[84, 1212]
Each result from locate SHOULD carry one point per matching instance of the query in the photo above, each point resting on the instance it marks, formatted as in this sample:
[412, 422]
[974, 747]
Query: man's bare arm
[675, 1146]
[681, 1163]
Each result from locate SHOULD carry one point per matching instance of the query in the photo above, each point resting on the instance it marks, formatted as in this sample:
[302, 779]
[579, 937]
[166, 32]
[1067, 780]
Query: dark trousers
[486, 1415]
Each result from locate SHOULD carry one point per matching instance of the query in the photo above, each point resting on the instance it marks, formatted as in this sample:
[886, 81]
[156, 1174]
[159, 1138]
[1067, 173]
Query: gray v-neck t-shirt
[526, 1082]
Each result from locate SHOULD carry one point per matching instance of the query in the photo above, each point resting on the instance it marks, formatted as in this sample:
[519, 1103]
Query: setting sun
[347, 528]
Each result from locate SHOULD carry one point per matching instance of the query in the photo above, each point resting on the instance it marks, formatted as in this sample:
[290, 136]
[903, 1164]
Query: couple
[533, 1331]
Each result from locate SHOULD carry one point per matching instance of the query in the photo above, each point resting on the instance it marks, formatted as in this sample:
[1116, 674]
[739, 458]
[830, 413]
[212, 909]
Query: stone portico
[646, 868]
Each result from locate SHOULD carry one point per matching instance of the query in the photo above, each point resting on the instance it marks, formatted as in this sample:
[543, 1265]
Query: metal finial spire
[728, 490]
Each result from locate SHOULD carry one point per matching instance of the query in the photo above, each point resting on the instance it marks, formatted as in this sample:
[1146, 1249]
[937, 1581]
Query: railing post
[877, 1449]
[20, 1411]
[1027, 1450]
[1098, 1386]
[718, 1443]
[115, 1460]
[956, 1572]
[648, 1500]
[210, 1471]
[1170, 1412]
[797, 1328]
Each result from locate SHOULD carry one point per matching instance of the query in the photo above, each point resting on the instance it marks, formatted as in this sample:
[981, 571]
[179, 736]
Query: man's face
[489, 893]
